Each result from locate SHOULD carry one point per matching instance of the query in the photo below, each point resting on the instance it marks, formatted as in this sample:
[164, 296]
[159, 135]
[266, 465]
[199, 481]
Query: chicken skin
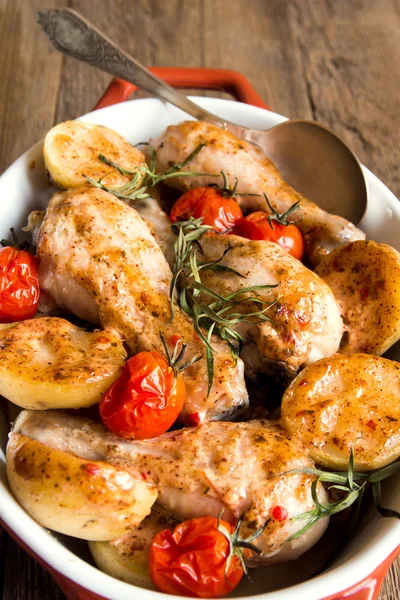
[256, 174]
[159, 224]
[237, 468]
[305, 323]
[99, 260]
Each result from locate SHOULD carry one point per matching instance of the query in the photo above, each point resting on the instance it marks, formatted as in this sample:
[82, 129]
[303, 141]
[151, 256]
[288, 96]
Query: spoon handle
[75, 36]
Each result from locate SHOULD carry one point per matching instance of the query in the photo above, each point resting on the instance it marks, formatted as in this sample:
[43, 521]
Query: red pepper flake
[282, 311]
[227, 362]
[372, 424]
[367, 348]
[144, 476]
[144, 297]
[364, 292]
[303, 382]
[174, 339]
[303, 320]
[102, 339]
[279, 513]
[91, 468]
[194, 418]
[290, 338]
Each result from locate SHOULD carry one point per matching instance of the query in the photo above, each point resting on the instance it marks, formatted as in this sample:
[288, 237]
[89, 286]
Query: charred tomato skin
[192, 559]
[145, 400]
[207, 203]
[256, 226]
[19, 285]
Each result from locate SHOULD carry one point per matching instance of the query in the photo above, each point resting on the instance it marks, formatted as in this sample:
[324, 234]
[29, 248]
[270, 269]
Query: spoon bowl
[317, 163]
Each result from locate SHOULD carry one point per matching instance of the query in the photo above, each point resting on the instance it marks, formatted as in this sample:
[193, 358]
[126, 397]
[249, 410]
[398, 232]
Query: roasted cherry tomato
[256, 226]
[209, 203]
[146, 399]
[193, 560]
[19, 285]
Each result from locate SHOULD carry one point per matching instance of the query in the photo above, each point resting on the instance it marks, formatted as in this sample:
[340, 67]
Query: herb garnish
[225, 191]
[236, 543]
[175, 360]
[145, 176]
[212, 313]
[282, 218]
[354, 485]
[16, 243]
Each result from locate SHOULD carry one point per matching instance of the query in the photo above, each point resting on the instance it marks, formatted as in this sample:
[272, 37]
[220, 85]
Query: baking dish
[358, 571]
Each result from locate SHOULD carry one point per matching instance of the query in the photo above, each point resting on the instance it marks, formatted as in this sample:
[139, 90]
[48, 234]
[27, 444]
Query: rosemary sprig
[212, 313]
[188, 234]
[282, 218]
[175, 360]
[145, 176]
[236, 543]
[352, 483]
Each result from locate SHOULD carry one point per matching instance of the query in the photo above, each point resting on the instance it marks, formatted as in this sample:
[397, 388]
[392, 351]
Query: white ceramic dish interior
[23, 187]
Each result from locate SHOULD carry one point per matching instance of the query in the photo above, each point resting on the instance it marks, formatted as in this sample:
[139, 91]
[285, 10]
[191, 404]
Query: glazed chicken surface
[99, 260]
[234, 467]
[159, 224]
[256, 174]
[304, 322]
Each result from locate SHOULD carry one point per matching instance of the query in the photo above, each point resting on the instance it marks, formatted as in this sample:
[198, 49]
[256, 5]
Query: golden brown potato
[127, 558]
[91, 500]
[343, 402]
[50, 363]
[71, 150]
[365, 279]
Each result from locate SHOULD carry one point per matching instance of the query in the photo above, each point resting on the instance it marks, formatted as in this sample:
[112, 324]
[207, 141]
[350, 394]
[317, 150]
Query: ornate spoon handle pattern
[73, 35]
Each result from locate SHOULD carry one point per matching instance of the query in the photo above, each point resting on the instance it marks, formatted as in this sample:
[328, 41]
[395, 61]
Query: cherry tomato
[257, 227]
[19, 285]
[146, 399]
[192, 560]
[207, 202]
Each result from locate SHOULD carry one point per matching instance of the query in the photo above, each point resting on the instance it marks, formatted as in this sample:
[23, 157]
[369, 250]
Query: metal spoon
[310, 157]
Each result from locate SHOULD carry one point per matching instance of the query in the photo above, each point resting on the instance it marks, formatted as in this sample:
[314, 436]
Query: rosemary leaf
[353, 491]
[384, 472]
[110, 163]
[144, 176]
[213, 313]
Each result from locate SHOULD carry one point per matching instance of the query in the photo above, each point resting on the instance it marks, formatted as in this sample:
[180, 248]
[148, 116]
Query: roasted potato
[91, 500]
[49, 363]
[127, 558]
[71, 151]
[346, 402]
[365, 279]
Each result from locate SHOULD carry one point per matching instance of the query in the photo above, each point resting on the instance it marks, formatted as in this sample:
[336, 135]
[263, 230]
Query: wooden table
[331, 60]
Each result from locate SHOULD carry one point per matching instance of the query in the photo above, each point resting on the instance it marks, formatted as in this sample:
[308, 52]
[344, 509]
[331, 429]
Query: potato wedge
[365, 279]
[343, 402]
[91, 500]
[127, 558]
[71, 150]
[50, 363]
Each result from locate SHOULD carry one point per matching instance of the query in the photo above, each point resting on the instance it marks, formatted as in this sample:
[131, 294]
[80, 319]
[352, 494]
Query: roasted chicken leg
[236, 468]
[99, 260]
[256, 174]
[305, 323]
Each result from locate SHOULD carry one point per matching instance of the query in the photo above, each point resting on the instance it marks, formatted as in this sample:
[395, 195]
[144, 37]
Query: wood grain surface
[333, 60]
